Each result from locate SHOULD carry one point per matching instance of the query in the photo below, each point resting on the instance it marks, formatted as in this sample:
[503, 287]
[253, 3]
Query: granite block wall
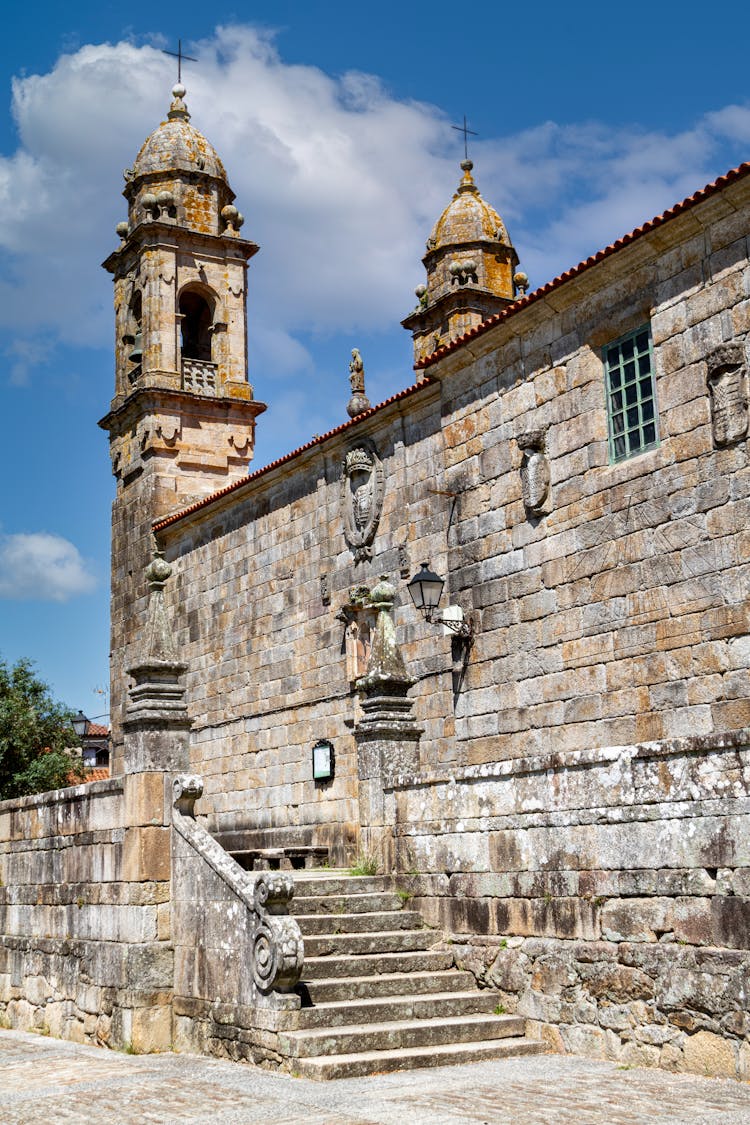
[85, 914]
[614, 613]
[606, 893]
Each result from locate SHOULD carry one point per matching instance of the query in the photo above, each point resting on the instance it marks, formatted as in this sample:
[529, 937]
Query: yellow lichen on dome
[176, 145]
[467, 218]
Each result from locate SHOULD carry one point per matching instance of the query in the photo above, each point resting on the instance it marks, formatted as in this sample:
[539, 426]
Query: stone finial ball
[239, 221]
[122, 229]
[521, 280]
[421, 290]
[158, 569]
[383, 591]
[165, 198]
[178, 90]
[148, 200]
[229, 213]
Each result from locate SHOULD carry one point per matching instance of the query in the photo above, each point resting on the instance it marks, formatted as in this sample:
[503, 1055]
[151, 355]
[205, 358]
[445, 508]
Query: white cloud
[340, 183]
[42, 567]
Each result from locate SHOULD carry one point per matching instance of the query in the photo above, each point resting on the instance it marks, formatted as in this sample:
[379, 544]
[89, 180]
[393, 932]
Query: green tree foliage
[35, 733]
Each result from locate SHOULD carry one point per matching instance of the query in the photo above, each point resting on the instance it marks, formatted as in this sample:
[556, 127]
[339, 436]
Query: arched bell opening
[133, 337]
[196, 324]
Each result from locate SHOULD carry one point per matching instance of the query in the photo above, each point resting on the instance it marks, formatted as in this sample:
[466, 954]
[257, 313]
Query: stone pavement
[46, 1080]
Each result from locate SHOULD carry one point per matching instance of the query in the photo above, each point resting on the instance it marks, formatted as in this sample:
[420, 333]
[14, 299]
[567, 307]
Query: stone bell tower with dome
[182, 420]
[471, 270]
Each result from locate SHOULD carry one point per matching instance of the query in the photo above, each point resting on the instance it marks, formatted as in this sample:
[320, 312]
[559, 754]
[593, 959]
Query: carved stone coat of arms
[362, 498]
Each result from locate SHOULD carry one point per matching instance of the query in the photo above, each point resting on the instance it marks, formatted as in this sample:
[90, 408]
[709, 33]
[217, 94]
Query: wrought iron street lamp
[425, 590]
[80, 725]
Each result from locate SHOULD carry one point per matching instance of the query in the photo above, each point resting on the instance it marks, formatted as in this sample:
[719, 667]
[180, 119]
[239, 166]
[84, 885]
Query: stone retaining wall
[85, 914]
[607, 894]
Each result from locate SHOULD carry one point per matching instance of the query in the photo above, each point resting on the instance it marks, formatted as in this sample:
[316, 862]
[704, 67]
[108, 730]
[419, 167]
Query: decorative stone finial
[467, 182]
[359, 402]
[521, 282]
[386, 672]
[178, 109]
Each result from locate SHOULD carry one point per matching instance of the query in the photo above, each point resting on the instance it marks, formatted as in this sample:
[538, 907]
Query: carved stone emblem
[362, 498]
[535, 475]
[727, 386]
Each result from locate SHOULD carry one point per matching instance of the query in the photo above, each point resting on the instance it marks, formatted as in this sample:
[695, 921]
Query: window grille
[631, 395]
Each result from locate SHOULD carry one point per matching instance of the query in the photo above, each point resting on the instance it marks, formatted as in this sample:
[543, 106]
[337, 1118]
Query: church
[430, 738]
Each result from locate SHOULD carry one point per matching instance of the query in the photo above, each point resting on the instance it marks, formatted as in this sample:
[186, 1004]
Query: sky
[334, 123]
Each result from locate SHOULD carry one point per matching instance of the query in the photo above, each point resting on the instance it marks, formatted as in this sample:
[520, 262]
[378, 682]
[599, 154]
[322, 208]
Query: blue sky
[333, 121]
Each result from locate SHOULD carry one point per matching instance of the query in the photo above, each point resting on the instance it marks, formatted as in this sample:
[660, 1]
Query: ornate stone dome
[176, 145]
[467, 218]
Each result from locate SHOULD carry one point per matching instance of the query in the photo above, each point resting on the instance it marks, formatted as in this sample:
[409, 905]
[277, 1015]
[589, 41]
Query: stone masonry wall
[580, 808]
[615, 613]
[267, 670]
[85, 914]
[606, 893]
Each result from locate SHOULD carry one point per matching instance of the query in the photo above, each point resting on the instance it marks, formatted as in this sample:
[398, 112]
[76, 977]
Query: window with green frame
[631, 394]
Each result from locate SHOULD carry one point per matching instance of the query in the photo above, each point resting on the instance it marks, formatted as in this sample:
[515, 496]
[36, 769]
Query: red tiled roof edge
[96, 730]
[427, 381]
[659, 220]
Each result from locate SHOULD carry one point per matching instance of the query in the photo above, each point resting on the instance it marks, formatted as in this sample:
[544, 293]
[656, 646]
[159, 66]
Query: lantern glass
[80, 724]
[426, 589]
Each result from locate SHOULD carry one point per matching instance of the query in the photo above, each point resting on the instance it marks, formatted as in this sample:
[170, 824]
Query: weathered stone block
[710, 1055]
[146, 854]
[151, 1029]
[145, 799]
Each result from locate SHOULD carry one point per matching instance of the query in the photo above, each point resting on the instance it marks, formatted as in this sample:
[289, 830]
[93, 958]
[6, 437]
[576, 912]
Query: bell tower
[182, 421]
[470, 263]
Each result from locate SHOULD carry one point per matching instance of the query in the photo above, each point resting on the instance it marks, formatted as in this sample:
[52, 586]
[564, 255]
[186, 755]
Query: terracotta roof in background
[96, 730]
[659, 220]
[424, 382]
[96, 773]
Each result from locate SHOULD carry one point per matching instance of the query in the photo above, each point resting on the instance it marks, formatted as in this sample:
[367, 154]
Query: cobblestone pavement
[45, 1080]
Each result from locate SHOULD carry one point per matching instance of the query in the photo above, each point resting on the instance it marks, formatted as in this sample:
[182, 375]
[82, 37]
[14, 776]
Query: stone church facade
[559, 783]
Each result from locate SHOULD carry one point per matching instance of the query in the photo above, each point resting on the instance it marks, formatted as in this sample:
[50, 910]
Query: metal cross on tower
[466, 131]
[178, 54]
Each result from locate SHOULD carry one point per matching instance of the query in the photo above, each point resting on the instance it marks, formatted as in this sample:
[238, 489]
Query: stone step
[359, 1063]
[326, 991]
[394, 941]
[318, 883]
[432, 1005]
[358, 965]
[367, 922]
[393, 1034]
[302, 903]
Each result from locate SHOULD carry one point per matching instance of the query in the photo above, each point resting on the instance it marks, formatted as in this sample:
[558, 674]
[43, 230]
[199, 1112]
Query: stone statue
[727, 386]
[535, 474]
[357, 372]
[359, 402]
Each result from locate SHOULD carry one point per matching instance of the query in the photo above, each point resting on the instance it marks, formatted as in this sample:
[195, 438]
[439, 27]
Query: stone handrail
[277, 948]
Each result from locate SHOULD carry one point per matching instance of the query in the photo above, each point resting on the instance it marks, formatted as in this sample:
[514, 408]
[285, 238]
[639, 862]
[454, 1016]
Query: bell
[137, 353]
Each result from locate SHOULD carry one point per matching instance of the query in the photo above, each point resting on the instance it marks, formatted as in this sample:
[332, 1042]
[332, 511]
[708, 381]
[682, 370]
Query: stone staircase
[378, 991]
